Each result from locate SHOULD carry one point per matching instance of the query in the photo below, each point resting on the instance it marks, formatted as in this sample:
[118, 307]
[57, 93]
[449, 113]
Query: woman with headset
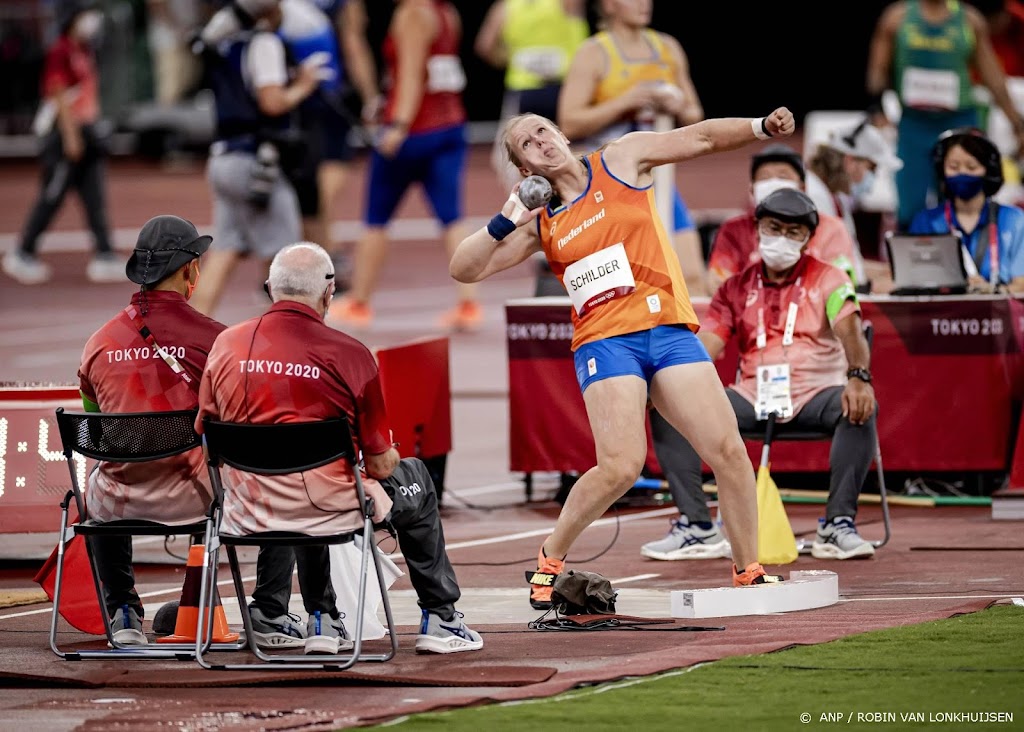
[968, 171]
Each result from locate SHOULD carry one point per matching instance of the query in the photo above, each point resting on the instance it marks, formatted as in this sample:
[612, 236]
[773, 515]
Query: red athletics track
[41, 334]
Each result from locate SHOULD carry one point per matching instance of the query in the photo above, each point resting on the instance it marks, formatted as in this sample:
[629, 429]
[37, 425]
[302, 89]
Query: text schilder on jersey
[577, 230]
[598, 278]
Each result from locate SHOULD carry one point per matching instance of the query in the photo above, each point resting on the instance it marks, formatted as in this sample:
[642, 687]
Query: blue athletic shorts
[640, 354]
[437, 159]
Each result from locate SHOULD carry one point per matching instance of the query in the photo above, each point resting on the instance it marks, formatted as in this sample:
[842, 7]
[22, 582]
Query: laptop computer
[926, 264]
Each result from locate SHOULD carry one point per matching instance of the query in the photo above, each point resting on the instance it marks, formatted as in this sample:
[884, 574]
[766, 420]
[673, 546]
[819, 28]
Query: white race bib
[445, 74]
[931, 89]
[598, 278]
[773, 391]
[545, 62]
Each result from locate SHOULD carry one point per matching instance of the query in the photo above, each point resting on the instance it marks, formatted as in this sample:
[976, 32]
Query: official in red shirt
[148, 358]
[802, 352]
[72, 153]
[288, 366]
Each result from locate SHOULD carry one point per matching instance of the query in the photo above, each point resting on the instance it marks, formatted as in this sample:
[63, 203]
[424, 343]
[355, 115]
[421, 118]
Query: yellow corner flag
[775, 541]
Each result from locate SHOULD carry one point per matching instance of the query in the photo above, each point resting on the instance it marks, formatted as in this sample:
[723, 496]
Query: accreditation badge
[773, 391]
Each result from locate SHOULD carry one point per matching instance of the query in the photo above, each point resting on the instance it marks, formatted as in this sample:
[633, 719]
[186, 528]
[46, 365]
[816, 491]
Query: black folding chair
[772, 433]
[281, 449]
[121, 438]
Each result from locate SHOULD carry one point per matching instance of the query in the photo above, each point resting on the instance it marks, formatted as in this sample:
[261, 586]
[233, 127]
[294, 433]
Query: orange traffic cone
[188, 608]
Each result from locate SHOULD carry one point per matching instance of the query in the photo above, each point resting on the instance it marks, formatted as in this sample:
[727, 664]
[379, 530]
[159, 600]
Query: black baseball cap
[165, 244]
[777, 153]
[789, 205]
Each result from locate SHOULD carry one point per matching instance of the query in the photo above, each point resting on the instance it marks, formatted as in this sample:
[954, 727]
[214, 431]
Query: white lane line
[634, 578]
[927, 597]
[152, 593]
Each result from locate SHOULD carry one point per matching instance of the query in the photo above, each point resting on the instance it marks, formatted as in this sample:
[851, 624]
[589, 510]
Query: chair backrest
[127, 438]
[278, 449]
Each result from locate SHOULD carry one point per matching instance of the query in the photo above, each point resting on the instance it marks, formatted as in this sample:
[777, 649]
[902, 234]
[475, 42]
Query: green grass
[969, 663]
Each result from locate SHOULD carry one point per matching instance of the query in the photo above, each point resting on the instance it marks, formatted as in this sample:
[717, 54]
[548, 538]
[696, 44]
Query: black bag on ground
[583, 593]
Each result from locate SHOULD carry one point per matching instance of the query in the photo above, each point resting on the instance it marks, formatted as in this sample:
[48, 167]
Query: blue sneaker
[446, 636]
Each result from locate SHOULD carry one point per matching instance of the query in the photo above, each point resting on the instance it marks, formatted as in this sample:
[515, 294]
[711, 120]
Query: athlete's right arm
[880, 52]
[479, 255]
[362, 70]
[488, 44]
[578, 115]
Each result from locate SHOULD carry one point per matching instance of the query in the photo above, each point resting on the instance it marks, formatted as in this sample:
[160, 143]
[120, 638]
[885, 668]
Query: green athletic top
[541, 40]
[931, 62]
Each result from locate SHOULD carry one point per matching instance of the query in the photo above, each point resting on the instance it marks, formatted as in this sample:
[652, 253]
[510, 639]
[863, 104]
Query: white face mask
[763, 188]
[89, 25]
[864, 186]
[779, 253]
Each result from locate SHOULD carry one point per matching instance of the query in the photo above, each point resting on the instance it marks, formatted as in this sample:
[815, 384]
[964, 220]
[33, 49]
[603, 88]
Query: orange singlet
[610, 250]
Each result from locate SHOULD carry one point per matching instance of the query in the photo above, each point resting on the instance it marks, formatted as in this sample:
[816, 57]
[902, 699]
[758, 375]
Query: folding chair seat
[773, 433]
[282, 449]
[121, 438]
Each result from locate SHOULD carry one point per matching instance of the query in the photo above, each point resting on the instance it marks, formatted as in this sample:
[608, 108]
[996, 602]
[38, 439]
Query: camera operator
[258, 140]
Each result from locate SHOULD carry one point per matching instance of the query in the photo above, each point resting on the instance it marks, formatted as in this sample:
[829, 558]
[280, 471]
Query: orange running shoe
[467, 315]
[543, 579]
[348, 313]
[754, 574]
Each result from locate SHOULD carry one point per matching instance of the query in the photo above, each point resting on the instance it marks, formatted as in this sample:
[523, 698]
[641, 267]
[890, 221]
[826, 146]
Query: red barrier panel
[415, 380]
[945, 371]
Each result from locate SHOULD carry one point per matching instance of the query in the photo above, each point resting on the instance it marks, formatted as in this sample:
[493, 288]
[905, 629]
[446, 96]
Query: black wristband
[764, 127]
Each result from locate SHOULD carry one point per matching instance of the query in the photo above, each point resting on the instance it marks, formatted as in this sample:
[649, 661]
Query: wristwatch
[859, 373]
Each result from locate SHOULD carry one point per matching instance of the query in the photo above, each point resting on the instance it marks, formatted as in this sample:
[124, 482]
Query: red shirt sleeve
[720, 318]
[207, 399]
[374, 434]
[57, 73]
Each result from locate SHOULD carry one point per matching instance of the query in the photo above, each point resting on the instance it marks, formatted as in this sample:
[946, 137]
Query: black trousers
[853, 447]
[86, 176]
[113, 557]
[416, 520]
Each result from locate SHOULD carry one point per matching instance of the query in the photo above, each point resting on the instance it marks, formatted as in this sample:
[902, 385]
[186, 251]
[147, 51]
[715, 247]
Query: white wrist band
[757, 127]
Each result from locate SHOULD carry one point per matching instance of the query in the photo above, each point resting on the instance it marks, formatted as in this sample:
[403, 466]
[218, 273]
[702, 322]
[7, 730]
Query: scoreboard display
[34, 474]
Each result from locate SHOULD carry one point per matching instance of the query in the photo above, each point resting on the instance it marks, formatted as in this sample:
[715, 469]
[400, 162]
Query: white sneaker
[26, 268]
[443, 636]
[126, 627]
[838, 539]
[326, 635]
[105, 269]
[688, 541]
[283, 631]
